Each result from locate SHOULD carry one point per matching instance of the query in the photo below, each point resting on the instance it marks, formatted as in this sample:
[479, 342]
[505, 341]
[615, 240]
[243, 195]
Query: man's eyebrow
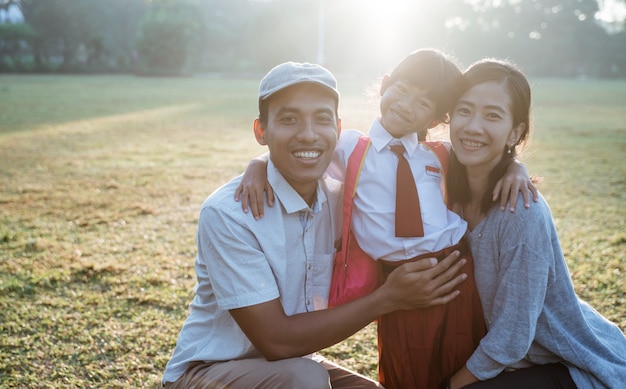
[329, 111]
[288, 109]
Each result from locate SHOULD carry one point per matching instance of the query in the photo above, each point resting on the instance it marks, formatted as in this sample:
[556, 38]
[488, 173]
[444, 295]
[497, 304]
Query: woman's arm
[514, 267]
[462, 378]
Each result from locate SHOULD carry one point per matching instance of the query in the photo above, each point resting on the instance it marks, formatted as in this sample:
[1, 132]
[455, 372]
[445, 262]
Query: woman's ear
[259, 132]
[516, 134]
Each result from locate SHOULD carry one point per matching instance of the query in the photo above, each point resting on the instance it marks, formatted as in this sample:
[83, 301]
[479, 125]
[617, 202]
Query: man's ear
[259, 132]
[338, 127]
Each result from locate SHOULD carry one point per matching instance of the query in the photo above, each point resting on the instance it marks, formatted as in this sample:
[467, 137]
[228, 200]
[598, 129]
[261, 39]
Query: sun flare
[383, 14]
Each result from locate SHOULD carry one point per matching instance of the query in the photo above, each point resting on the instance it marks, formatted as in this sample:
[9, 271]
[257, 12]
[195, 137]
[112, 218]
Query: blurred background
[547, 38]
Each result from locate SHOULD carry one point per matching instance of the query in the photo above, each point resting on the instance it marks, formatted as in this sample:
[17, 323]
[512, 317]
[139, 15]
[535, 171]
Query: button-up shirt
[373, 217]
[288, 254]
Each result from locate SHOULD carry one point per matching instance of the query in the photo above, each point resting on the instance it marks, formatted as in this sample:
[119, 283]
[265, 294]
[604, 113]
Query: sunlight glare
[383, 13]
[611, 15]
[383, 17]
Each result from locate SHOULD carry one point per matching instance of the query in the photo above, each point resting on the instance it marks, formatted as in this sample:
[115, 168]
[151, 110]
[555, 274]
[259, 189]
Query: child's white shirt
[373, 215]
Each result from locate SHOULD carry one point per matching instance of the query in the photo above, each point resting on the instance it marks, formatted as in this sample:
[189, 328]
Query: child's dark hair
[435, 72]
[516, 84]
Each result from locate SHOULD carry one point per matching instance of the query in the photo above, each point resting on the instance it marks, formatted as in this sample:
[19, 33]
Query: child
[418, 348]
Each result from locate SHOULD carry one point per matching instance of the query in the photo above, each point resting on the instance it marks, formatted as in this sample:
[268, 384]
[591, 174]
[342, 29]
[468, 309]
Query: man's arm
[413, 285]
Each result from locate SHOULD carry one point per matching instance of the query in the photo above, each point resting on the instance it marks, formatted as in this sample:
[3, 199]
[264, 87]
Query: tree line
[173, 37]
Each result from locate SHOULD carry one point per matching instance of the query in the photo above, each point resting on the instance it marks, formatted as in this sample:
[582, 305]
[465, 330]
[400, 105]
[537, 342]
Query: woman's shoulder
[536, 209]
[536, 215]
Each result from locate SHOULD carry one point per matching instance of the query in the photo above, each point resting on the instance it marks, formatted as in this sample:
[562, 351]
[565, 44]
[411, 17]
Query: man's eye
[324, 119]
[288, 119]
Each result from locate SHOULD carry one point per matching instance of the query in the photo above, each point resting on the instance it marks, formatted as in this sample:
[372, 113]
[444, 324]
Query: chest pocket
[434, 210]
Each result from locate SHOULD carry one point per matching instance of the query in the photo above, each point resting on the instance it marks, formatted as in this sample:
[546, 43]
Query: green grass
[102, 177]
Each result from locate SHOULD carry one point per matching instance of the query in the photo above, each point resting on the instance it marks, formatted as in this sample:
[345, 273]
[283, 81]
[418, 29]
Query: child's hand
[515, 180]
[252, 187]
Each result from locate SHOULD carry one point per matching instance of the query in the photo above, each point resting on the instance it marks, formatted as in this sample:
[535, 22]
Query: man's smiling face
[301, 133]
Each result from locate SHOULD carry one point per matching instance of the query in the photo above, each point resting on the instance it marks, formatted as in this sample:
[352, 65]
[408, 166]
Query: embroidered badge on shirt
[433, 171]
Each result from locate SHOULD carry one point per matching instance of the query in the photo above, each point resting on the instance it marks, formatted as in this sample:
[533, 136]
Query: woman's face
[481, 126]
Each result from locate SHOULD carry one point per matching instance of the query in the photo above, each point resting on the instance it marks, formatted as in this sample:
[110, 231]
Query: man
[262, 292]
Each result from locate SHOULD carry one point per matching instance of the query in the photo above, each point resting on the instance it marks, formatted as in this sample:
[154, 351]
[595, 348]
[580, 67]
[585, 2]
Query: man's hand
[424, 283]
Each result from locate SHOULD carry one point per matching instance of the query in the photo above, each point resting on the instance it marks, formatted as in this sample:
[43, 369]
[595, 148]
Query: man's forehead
[303, 93]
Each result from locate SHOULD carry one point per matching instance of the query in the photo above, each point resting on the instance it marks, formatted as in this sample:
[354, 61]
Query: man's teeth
[306, 154]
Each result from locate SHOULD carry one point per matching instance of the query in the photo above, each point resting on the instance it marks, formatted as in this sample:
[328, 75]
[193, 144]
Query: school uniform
[418, 348]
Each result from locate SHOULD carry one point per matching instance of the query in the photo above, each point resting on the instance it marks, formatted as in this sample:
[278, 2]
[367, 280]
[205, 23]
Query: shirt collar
[381, 138]
[288, 197]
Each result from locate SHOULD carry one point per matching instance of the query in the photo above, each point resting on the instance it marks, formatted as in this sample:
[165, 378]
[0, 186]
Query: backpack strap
[353, 171]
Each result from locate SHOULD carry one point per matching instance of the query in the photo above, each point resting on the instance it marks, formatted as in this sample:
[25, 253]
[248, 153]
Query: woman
[540, 334]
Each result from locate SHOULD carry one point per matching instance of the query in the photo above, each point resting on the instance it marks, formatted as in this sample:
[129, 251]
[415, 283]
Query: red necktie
[408, 215]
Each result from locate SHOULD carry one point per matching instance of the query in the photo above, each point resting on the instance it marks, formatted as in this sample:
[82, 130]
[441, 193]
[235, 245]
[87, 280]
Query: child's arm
[515, 180]
[253, 185]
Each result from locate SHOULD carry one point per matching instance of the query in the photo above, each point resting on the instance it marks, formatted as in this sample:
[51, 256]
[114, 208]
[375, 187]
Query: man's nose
[307, 131]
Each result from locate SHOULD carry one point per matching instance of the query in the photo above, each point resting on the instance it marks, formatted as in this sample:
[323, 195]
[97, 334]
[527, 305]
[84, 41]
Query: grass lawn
[102, 177]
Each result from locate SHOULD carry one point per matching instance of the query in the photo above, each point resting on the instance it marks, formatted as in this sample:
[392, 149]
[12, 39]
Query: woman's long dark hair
[517, 86]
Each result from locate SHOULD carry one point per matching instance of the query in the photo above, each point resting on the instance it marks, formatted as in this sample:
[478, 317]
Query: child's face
[406, 108]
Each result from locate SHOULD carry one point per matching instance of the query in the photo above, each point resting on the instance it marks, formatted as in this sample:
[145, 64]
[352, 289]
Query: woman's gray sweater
[532, 313]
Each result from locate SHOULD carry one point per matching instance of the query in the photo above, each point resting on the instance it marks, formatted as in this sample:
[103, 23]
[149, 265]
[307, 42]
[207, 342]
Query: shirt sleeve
[523, 273]
[232, 260]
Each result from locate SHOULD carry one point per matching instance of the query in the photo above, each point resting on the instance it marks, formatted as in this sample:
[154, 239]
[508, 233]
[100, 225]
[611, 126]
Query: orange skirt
[421, 348]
